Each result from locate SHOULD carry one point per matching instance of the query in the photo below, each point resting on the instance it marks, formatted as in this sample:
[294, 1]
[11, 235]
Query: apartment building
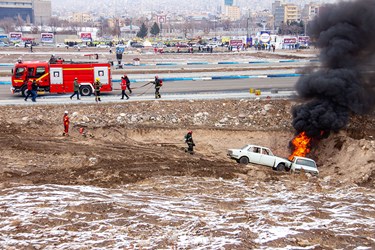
[30, 11]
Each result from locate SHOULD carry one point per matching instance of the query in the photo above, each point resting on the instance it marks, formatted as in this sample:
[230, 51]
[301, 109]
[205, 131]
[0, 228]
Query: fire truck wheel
[244, 160]
[24, 91]
[280, 167]
[86, 91]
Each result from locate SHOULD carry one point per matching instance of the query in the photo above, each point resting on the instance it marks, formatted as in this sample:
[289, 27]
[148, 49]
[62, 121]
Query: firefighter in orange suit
[66, 124]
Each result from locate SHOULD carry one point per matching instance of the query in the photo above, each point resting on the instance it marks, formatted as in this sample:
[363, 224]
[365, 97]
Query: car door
[267, 158]
[254, 154]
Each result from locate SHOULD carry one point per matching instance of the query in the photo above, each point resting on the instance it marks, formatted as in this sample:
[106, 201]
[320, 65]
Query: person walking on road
[158, 83]
[29, 88]
[189, 141]
[128, 84]
[97, 86]
[34, 91]
[75, 88]
[123, 87]
[66, 122]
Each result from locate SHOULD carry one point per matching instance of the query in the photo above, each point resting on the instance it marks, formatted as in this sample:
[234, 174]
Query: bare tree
[227, 24]
[187, 27]
[54, 23]
[20, 22]
[205, 25]
[34, 29]
[7, 24]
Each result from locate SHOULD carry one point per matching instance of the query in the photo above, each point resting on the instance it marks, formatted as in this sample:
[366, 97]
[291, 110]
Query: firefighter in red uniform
[66, 124]
[29, 88]
[123, 87]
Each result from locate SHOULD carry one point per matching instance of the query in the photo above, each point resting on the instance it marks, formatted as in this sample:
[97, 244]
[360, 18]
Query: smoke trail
[345, 34]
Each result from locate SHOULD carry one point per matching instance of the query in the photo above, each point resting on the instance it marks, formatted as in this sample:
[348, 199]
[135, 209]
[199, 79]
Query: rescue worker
[158, 84]
[123, 87]
[97, 86]
[53, 59]
[66, 122]
[189, 141]
[75, 88]
[34, 90]
[128, 84]
[29, 88]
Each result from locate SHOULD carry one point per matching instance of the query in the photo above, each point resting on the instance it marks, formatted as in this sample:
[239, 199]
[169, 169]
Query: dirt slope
[130, 142]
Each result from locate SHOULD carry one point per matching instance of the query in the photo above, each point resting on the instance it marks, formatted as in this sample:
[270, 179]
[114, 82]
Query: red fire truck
[58, 76]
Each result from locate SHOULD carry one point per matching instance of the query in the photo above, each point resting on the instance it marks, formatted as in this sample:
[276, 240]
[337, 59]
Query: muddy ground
[130, 142]
[128, 183]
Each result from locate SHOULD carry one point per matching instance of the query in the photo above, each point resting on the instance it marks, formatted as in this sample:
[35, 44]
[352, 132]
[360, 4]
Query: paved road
[186, 87]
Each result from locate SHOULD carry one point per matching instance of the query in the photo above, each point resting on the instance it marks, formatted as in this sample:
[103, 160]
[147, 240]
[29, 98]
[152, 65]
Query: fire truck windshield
[19, 72]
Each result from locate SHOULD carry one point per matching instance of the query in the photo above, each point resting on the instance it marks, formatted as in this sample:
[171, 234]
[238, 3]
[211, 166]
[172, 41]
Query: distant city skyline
[138, 7]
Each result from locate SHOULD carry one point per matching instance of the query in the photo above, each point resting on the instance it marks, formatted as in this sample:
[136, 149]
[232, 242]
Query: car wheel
[280, 167]
[244, 160]
[86, 91]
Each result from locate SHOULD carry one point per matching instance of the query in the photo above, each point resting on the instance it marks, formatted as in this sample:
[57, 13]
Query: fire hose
[139, 88]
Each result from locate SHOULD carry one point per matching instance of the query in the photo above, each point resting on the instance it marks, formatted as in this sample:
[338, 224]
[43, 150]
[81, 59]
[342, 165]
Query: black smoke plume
[344, 84]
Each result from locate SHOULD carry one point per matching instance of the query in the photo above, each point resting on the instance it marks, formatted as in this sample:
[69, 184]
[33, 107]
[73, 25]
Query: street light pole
[247, 29]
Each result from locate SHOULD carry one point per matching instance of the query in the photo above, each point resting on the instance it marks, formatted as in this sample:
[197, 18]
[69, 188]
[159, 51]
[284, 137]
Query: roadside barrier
[206, 78]
[221, 62]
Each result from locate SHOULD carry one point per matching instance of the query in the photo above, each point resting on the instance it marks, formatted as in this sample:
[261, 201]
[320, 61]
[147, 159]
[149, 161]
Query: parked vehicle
[61, 45]
[22, 45]
[2, 44]
[136, 45]
[102, 46]
[259, 155]
[182, 45]
[213, 45]
[57, 76]
[304, 164]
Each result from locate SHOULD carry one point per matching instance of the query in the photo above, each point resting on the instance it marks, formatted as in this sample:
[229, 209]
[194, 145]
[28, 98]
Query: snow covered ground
[188, 213]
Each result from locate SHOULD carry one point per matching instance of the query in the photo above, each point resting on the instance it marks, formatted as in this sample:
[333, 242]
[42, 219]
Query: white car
[22, 45]
[61, 45]
[300, 164]
[102, 46]
[259, 155]
[213, 45]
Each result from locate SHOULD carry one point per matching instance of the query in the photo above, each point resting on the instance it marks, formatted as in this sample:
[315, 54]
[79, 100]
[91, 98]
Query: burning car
[304, 164]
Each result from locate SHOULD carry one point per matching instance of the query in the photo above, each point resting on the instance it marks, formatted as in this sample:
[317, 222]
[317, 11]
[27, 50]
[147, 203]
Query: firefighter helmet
[66, 112]
[190, 132]
[97, 79]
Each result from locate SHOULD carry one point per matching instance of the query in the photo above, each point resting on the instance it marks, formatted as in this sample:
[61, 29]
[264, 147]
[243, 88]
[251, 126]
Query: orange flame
[301, 145]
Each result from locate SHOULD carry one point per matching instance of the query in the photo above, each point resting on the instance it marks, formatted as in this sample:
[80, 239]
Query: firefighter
[66, 122]
[97, 86]
[75, 88]
[189, 141]
[123, 87]
[158, 83]
[34, 90]
[29, 83]
[128, 84]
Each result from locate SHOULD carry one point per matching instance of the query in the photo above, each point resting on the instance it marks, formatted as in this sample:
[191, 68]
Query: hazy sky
[139, 6]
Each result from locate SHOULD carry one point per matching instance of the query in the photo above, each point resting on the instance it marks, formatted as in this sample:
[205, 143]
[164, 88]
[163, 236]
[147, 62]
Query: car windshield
[245, 147]
[306, 163]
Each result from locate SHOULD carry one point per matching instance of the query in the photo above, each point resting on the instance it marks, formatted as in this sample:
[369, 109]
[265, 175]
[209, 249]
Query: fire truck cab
[58, 76]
